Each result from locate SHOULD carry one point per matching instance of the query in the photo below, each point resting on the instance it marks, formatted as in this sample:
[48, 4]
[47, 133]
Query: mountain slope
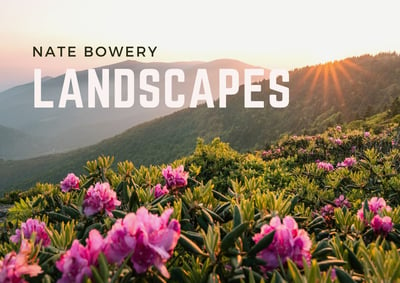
[15, 143]
[60, 130]
[320, 96]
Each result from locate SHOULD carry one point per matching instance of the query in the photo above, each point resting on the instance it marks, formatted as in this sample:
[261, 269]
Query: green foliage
[228, 199]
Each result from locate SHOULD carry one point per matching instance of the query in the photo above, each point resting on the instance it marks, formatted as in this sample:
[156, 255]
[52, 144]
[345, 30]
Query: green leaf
[118, 213]
[277, 278]
[262, 244]
[324, 265]
[237, 217]
[343, 276]
[96, 275]
[58, 217]
[103, 267]
[231, 237]
[72, 211]
[194, 236]
[190, 245]
[353, 260]
[220, 196]
[294, 272]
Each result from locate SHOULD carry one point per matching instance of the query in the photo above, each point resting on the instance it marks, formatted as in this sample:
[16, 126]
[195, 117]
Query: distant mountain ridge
[368, 85]
[59, 130]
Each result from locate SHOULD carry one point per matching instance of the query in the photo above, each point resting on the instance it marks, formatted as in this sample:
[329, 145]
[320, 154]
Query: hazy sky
[272, 34]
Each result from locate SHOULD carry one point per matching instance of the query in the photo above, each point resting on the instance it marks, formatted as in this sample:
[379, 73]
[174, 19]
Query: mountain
[320, 96]
[59, 130]
[15, 143]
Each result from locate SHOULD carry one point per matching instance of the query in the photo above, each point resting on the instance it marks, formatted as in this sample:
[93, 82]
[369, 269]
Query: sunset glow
[287, 34]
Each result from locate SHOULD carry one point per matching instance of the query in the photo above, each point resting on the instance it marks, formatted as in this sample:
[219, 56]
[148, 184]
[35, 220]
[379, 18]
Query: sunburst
[332, 74]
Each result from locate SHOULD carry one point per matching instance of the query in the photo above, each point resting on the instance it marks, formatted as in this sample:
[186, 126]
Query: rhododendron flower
[71, 182]
[327, 210]
[15, 265]
[28, 228]
[159, 191]
[75, 263]
[375, 205]
[341, 201]
[289, 242]
[100, 198]
[175, 178]
[348, 162]
[325, 166]
[119, 242]
[381, 225]
[150, 239]
[338, 141]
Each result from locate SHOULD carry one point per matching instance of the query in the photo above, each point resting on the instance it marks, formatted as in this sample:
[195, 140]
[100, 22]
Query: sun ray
[315, 80]
[336, 83]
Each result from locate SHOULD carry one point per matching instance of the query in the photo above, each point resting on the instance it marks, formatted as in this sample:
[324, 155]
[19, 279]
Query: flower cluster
[325, 166]
[289, 242]
[71, 182]
[348, 162]
[149, 238]
[16, 265]
[100, 198]
[380, 225]
[341, 201]
[28, 228]
[175, 178]
[375, 205]
[75, 263]
[159, 191]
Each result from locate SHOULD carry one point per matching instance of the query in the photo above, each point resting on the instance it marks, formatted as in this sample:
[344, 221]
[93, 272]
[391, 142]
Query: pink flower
[375, 205]
[175, 178]
[159, 191]
[338, 128]
[325, 166]
[155, 240]
[120, 242]
[15, 265]
[100, 198]
[367, 134]
[150, 239]
[341, 201]
[387, 224]
[338, 141]
[289, 242]
[71, 182]
[28, 228]
[327, 210]
[381, 225]
[75, 263]
[348, 162]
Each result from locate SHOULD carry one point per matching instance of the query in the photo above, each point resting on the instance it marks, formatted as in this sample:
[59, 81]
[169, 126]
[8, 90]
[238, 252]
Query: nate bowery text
[94, 51]
[98, 88]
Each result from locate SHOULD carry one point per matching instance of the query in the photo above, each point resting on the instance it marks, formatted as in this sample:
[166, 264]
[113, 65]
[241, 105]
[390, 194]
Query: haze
[271, 34]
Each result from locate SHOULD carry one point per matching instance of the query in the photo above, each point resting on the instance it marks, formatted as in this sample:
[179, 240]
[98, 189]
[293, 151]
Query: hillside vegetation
[308, 208]
[320, 96]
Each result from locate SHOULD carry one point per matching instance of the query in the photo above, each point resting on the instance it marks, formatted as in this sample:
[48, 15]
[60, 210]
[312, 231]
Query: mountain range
[320, 96]
[57, 130]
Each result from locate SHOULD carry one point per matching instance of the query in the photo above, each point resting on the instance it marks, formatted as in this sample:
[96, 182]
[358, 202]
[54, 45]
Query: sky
[271, 34]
